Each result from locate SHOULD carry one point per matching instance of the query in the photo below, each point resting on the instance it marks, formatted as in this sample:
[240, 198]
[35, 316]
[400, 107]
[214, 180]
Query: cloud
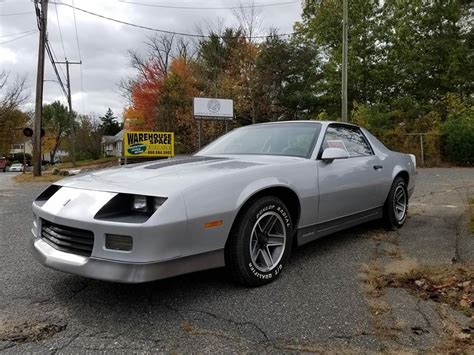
[104, 44]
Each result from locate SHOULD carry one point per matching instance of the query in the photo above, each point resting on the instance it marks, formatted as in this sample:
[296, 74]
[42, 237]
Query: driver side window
[348, 138]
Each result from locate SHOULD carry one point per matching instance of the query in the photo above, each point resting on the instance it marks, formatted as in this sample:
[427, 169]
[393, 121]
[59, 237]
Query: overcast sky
[104, 44]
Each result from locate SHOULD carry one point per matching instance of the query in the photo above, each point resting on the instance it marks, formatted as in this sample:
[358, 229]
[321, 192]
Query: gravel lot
[317, 305]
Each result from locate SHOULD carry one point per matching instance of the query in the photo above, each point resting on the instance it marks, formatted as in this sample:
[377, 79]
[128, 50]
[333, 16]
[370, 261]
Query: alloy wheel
[268, 241]
[400, 203]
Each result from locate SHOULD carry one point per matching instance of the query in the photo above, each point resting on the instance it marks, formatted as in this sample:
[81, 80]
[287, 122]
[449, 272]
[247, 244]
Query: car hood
[165, 177]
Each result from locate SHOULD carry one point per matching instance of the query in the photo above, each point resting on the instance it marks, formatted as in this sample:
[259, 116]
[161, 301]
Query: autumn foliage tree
[408, 62]
[12, 119]
[57, 123]
[161, 94]
[145, 90]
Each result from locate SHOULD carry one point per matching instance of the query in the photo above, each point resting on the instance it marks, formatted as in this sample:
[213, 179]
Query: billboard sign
[148, 144]
[213, 109]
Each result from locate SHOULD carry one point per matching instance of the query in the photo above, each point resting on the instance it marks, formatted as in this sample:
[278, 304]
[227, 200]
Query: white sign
[213, 109]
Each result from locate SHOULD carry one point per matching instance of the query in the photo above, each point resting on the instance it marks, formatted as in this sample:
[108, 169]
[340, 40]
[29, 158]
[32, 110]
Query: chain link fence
[427, 147]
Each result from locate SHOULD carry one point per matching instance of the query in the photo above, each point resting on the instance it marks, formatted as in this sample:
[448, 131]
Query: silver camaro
[242, 202]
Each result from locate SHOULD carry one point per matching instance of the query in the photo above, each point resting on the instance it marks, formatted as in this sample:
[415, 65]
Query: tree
[226, 69]
[458, 131]
[88, 138]
[322, 23]
[12, 93]
[12, 120]
[175, 105]
[405, 58]
[143, 91]
[57, 121]
[109, 125]
[428, 52]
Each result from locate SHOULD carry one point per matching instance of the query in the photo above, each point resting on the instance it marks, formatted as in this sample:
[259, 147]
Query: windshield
[290, 139]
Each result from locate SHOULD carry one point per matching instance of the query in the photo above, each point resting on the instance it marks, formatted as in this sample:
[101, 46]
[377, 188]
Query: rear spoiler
[413, 159]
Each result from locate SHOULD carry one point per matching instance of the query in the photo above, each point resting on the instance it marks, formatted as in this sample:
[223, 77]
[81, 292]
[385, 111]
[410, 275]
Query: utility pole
[42, 23]
[345, 20]
[71, 115]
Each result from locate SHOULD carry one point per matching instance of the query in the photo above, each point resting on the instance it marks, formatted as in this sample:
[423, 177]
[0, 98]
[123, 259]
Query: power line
[75, 27]
[80, 57]
[82, 88]
[19, 33]
[210, 8]
[60, 32]
[55, 57]
[157, 29]
[51, 58]
[29, 34]
[18, 13]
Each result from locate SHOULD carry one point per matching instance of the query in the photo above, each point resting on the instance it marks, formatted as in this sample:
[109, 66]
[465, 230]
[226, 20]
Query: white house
[27, 147]
[112, 146]
[19, 148]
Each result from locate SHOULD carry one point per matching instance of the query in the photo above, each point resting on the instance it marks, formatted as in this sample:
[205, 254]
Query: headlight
[139, 203]
[129, 208]
[146, 204]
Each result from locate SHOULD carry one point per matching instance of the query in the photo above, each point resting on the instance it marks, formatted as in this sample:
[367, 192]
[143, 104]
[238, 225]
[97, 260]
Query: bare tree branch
[162, 50]
[12, 94]
[249, 19]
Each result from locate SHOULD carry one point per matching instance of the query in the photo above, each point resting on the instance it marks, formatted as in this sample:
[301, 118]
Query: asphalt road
[316, 305]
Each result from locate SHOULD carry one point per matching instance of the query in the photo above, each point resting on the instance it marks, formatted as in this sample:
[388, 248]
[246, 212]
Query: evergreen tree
[109, 125]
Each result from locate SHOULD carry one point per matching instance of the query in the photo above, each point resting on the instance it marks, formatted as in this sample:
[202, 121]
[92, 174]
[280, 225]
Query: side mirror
[329, 154]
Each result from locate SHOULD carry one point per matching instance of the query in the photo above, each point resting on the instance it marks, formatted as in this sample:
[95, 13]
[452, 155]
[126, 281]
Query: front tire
[396, 205]
[260, 242]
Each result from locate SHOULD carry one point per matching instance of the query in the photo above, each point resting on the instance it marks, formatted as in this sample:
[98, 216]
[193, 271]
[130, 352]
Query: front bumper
[125, 272]
[163, 246]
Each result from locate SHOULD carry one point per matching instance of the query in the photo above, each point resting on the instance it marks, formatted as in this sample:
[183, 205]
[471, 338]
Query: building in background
[112, 146]
[27, 148]
[23, 147]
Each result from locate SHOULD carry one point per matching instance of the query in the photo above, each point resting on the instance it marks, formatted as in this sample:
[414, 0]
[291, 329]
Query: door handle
[378, 167]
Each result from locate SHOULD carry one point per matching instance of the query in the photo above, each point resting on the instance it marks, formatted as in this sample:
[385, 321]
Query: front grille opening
[67, 239]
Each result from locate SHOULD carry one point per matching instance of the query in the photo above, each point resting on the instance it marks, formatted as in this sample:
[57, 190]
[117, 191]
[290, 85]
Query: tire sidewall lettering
[265, 276]
[279, 209]
[402, 185]
[263, 210]
[286, 218]
[397, 222]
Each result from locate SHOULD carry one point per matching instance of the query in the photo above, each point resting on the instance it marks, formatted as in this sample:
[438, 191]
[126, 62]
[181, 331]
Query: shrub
[458, 132]
[458, 139]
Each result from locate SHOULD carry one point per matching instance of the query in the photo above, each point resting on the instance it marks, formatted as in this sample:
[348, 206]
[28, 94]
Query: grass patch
[372, 281]
[400, 266]
[88, 163]
[29, 331]
[444, 283]
[393, 250]
[455, 340]
[378, 307]
[45, 177]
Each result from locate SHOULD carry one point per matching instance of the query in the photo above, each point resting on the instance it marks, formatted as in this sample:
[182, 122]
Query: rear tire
[396, 205]
[260, 242]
